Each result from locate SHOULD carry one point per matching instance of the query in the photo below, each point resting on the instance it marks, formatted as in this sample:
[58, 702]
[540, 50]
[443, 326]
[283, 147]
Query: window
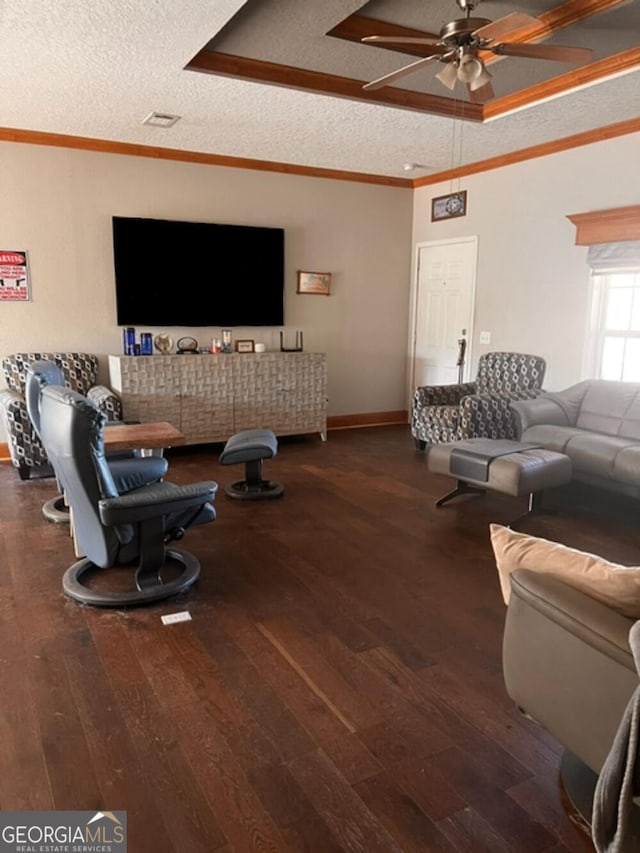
[613, 238]
[616, 338]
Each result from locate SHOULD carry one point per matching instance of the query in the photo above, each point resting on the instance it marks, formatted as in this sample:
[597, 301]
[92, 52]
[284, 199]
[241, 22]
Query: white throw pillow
[615, 585]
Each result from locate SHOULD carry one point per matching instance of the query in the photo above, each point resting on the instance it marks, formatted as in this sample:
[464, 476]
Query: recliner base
[56, 510]
[147, 588]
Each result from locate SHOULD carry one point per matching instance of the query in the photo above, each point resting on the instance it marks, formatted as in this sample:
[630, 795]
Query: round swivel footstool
[251, 446]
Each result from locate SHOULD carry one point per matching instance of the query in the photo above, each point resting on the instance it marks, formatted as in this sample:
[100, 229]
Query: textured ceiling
[96, 69]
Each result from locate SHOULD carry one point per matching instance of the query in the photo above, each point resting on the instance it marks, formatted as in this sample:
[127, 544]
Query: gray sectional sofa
[596, 423]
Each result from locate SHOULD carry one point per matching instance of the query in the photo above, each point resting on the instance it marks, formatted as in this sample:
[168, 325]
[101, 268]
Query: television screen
[170, 273]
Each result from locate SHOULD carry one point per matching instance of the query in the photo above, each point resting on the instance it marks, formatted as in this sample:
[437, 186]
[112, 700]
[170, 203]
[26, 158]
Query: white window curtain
[614, 346]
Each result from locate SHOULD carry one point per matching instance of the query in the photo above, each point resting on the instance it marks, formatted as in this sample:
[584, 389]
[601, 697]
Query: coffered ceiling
[279, 42]
[280, 82]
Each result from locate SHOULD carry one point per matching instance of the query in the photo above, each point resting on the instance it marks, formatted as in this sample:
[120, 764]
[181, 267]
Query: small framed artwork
[246, 345]
[449, 206]
[314, 282]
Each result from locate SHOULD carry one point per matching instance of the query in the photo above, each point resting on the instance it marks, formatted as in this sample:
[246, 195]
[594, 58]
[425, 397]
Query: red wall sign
[14, 276]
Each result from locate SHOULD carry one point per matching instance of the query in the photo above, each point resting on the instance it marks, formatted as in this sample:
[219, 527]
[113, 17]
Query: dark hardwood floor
[338, 688]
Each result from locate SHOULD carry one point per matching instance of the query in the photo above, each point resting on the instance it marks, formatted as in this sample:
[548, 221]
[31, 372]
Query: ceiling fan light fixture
[480, 81]
[448, 75]
[470, 68]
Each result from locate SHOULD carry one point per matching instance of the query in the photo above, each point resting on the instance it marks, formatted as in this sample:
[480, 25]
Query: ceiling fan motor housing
[460, 32]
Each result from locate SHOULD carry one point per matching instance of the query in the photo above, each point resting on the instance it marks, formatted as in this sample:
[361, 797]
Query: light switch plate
[485, 337]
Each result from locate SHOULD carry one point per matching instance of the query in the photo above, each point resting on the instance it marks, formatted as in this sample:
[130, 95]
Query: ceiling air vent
[161, 119]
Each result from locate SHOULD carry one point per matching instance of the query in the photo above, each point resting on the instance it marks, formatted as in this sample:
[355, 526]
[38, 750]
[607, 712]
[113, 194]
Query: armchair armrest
[107, 401]
[9, 400]
[436, 424]
[442, 395]
[540, 410]
[155, 500]
[24, 445]
[490, 415]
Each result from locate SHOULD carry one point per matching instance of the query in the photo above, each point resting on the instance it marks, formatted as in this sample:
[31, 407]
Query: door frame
[413, 312]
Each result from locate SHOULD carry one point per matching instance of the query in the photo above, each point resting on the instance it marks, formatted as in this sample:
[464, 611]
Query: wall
[58, 203]
[533, 282]
[532, 290]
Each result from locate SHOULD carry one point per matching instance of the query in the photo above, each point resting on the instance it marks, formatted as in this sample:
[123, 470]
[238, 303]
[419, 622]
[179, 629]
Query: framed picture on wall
[314, 282]
[449, 206]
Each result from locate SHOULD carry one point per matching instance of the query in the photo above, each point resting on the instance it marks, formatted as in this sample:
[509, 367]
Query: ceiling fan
[458, 46]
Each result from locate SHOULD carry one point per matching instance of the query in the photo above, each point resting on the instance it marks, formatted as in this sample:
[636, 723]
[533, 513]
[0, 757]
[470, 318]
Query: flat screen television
[170, 273]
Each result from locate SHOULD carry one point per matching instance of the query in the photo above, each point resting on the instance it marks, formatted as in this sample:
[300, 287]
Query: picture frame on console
[246, 345]
[318, 283]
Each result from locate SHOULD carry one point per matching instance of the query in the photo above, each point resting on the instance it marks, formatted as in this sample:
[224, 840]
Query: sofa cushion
[630, 427]
[595, 453]
[550, 436]
[626, 466]
[605, 405]
[615, 585]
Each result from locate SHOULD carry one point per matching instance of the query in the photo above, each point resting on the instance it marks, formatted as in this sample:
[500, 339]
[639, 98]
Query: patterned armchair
[80, 371]
[480, 409]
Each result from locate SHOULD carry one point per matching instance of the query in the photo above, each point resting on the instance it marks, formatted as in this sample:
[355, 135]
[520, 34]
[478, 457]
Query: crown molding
[586, 75]
[589, 137]
[57, 140]
[286, 76]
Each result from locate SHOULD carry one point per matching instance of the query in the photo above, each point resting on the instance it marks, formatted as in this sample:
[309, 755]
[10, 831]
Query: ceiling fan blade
[499, 28]
[401, 72]
[575, 55]
[484, 93]
[399, 40]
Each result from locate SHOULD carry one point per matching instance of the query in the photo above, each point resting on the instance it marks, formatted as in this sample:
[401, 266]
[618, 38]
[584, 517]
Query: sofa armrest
[567, 663]
[540, 410]
[107, 401]
[441, 395]
[590, 620]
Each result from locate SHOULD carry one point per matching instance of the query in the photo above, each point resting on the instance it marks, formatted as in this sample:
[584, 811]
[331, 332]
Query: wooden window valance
[607, 226]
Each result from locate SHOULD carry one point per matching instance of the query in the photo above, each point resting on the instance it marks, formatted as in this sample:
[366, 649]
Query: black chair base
[578, 783]
[56, 510]
[246, 490]
[149, 585]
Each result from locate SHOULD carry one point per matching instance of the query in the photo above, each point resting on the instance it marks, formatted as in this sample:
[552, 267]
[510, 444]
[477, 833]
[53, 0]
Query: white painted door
[445, 291]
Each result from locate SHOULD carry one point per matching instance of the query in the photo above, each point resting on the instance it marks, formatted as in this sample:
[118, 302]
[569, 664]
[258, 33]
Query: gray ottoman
[251, 446]
[509, 467]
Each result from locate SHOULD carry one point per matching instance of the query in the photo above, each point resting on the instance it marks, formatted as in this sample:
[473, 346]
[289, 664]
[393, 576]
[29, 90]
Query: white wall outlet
[171, 618]
[485, 337]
